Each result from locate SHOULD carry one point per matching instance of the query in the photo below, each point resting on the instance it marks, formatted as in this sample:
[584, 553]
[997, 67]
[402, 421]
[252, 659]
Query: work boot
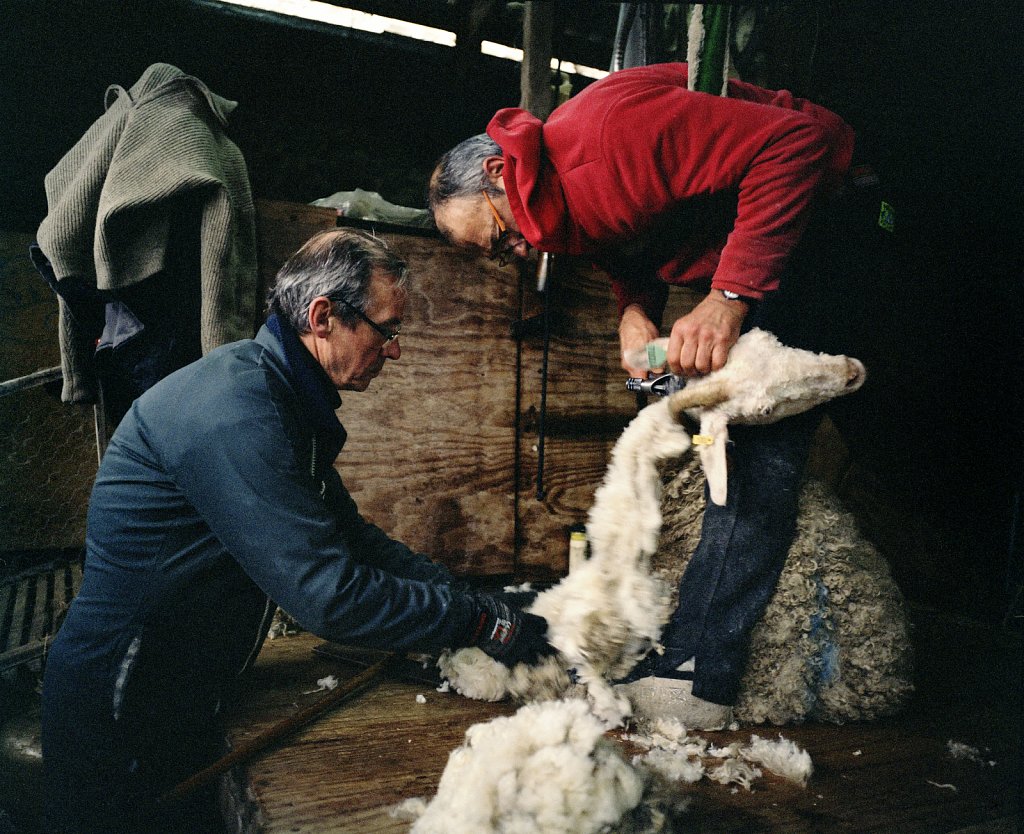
[655, 697]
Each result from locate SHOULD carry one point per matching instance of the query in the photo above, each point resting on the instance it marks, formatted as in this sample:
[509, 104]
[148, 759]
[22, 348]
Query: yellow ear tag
[703, 440]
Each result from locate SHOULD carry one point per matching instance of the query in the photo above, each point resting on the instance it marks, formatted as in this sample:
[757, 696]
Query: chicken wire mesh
[47, 467]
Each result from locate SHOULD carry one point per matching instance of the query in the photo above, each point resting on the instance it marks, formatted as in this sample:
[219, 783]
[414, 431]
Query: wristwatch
[735, 296]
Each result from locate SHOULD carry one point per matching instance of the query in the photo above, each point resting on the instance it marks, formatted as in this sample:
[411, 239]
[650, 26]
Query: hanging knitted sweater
[118, 196]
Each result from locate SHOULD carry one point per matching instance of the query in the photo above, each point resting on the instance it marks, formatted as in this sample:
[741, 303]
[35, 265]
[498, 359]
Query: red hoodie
[647, 177]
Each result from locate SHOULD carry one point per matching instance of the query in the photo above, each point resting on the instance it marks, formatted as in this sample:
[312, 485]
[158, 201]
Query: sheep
[606, 615]
[834, 641]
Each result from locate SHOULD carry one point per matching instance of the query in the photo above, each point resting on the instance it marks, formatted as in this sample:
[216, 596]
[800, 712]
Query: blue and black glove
[506, 633]
[517, 599]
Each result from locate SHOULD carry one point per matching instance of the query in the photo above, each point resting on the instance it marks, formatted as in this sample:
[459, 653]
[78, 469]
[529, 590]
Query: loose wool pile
[678, 756]
[834, 642]
[549, 769]
[545, 770]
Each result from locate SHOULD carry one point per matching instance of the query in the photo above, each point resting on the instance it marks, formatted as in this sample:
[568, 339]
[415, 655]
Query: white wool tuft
[783, 757]
[734, 772]
[674, 765]
[959, 750]
[545, 770]
[408, 809]
[473, 674]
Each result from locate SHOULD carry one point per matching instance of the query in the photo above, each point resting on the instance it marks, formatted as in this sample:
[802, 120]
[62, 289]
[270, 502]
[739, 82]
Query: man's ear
[320, 316]
[494, 167]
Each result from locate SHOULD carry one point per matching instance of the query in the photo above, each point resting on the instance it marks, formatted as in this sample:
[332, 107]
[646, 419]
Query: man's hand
[507, 634]
[701, 340]
[635, 331]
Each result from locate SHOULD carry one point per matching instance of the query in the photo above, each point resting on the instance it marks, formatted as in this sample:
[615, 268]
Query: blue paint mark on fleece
[825, 662]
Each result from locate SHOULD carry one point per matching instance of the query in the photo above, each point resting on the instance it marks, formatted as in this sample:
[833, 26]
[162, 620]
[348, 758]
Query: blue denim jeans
[737, 563]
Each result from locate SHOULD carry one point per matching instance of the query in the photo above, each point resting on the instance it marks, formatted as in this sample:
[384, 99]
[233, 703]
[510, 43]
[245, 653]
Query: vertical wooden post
[536, 94]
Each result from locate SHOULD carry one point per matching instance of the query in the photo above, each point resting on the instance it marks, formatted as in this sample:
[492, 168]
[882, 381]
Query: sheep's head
[763, 381]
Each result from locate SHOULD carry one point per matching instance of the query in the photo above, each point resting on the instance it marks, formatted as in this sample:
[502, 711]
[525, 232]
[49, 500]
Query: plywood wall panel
[430, 457]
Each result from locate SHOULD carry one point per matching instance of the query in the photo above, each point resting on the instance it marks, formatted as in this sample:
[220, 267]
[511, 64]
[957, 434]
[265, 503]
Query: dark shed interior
[931, 88]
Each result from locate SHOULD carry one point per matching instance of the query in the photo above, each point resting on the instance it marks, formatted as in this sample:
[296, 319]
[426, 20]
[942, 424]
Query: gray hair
[338, 264]
[460, 172]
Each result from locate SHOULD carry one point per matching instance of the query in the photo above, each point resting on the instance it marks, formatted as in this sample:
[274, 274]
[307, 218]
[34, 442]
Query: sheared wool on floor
[549, 769]
[545, 770]
[677, 756]
[782, 757]
[959, 750]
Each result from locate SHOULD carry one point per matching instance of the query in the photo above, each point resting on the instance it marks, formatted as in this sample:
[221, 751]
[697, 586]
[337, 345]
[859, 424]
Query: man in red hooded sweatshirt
[660, 185]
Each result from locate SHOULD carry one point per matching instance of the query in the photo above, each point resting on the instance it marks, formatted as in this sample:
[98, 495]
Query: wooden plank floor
[344, 772]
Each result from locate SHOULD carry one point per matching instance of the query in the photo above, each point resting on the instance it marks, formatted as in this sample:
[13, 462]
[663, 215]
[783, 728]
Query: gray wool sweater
[159, 148]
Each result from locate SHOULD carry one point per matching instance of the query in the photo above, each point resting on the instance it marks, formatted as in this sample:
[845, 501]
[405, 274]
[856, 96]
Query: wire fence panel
[47, 468]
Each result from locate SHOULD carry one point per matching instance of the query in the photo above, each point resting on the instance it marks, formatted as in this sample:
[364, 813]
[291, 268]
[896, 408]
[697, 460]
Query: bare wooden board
[430, 451]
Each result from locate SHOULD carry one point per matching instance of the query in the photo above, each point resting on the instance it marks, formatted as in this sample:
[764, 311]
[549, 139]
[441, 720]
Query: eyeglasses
[387, 335]
[501, 249]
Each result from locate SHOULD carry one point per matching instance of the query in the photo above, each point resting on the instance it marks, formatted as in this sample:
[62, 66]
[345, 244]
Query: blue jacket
[216, 495]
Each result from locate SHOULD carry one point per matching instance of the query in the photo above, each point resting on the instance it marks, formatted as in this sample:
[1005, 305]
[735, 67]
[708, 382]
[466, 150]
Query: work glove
[516, 599]
[506, 633]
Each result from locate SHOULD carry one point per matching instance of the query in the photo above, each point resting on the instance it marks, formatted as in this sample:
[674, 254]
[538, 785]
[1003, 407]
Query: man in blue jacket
[217, 500]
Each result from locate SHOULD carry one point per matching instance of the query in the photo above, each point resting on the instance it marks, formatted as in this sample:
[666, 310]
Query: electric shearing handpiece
[662, 385]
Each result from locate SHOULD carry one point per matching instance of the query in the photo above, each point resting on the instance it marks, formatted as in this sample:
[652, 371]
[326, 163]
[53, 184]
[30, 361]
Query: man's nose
[393, 350]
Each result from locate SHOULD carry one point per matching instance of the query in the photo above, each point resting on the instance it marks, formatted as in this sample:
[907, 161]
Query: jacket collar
[317, 395]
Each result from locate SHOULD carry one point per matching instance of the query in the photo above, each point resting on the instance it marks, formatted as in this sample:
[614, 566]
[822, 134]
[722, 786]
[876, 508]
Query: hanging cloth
[152, 207]
[707, 48]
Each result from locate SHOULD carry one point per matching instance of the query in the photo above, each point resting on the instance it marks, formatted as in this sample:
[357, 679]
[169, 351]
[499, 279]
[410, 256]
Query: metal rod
[278, 731]
[12, 386]
[548, 267]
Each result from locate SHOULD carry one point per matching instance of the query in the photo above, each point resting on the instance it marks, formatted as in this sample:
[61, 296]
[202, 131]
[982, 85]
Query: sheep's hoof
[657, 698]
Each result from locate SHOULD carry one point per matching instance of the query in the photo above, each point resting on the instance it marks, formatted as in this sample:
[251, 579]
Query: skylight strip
[379, 24]
[350, 19]
[511, 53]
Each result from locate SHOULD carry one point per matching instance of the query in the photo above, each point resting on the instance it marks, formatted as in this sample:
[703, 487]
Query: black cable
[544, 386]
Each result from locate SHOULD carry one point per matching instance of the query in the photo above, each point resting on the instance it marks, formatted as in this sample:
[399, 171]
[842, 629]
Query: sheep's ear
[697, 395]
[712, 456]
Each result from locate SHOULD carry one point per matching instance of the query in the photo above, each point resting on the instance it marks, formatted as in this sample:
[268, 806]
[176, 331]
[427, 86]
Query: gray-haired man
[216, 495]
